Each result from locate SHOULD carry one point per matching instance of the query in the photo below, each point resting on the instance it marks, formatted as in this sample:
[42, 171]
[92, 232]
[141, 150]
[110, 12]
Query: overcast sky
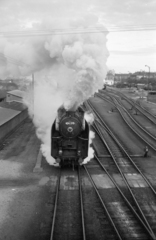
[128, 50]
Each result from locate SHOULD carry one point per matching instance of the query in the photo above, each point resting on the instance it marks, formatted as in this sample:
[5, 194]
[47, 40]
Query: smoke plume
[89, 117]
[68, 65]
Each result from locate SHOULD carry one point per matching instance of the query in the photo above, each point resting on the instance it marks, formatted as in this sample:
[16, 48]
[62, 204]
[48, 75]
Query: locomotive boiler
[69, 137]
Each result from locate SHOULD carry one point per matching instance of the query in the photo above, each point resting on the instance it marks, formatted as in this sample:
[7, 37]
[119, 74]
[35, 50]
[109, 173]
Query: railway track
[120, 156]
[105, 226]
[122, 215]
[151, 117]
[146, 136]
[83, 230]
[77, 225]
[120, 146]
[68, 214]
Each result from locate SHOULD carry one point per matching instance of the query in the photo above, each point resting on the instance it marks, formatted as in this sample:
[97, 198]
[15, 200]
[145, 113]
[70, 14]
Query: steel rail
[120, 104]
[126, 183]
[139, 134]
[103, 204]
[120, 145]
[82, 209]
[124, 197]
[149, 134]
[141, 109]
[136, 132]
[135, 104]
[151, 114]
[55, 207]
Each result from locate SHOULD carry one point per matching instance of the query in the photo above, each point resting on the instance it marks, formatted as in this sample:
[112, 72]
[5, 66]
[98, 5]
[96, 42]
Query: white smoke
[89, 117]
[90, 150]
[68, 66]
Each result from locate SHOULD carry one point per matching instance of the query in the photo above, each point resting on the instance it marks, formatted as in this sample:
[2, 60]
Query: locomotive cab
[69, 137]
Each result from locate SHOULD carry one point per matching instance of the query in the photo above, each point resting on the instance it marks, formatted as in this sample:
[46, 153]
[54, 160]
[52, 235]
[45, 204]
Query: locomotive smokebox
[70, 127]
[70, 136]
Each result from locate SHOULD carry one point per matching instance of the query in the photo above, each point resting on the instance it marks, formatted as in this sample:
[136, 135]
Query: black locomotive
[69, 137]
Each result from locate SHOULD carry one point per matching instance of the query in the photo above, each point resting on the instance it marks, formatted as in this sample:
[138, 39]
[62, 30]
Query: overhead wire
[5, 58]
[76, 28]
[2, 55]
[59, 31]
[27, 33]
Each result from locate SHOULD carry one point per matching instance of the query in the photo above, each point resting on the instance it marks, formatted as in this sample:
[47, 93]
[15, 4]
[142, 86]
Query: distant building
[2, 95]
[8, 85]
[109, 80]
[144, 74]
[113, 78]
[119, 77]
[140, 86]
[15, 95]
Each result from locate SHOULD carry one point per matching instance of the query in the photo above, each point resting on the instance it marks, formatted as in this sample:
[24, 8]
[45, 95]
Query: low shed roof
[17, 93]
[7, 114]
[2, 94]
[13, 105]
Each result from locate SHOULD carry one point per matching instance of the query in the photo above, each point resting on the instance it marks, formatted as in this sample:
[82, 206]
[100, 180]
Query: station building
[15, 95]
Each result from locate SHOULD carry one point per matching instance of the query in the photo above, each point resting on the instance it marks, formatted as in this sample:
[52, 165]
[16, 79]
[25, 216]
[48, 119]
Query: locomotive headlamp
[60, 152]
[70, 129]
[79, 153]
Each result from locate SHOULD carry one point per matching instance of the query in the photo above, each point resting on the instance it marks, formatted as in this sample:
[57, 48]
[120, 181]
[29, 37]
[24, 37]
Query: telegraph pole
[129, 79]
[33, 94]
[148, 76]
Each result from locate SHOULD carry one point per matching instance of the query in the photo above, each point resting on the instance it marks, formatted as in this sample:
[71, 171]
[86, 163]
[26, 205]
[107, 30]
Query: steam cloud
[69, 67]
[89, 117]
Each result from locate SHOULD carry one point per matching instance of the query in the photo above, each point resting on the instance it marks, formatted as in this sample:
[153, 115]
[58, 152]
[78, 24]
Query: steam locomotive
[69, 137]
